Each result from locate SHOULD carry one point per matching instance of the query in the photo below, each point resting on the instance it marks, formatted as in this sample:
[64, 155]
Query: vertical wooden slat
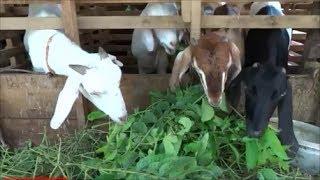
[186, 10]
[2, 9]
[69, 19]
[311, 46]
[70, 24]
[195, 20]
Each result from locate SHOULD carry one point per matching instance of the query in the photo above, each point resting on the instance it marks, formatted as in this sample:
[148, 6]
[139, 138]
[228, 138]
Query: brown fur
[235, 35]
[212, 54]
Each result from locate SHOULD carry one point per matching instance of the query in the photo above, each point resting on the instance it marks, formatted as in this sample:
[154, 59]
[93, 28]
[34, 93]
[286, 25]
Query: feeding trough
[308, 155]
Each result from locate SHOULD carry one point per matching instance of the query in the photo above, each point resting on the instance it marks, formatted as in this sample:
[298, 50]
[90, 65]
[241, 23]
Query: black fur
[266, 86]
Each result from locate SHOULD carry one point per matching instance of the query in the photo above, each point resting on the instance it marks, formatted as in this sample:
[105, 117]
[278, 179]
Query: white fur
[202, 76]
[99, 82]
[256, 6]
[144, 44]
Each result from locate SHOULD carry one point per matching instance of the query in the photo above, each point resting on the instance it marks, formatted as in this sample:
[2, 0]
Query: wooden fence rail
[131, 22]
[140, 1]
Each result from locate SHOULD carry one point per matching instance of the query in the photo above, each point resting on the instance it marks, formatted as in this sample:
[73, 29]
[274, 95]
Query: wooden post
[195, 20]
[69, 20]
[70, 24]
[186, 10]
[312, 44]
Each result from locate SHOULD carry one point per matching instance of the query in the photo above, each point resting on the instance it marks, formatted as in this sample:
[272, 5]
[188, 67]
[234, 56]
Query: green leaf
[218, 121]
[284, 165]
[139, 127]
[223, 104]
[179, 167]
[263, 156]
[235, 152]
[267, 174]
[105, 176]
[187, 124]
[205, 158]
[271, 140]
[171, 144]
[207, 111]
[251, 153]
[204, 142]
[128, 124]
[128, 159]
[96, 115]
[149, 117]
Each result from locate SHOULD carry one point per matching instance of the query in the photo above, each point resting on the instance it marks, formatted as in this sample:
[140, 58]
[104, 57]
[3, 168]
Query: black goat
[265, 81]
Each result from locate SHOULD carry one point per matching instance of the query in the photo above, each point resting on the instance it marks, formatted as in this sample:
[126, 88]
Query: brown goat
[216, 60]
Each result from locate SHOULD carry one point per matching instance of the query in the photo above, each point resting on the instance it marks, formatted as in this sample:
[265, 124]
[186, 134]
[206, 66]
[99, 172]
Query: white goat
[149, 46]
[97, 76]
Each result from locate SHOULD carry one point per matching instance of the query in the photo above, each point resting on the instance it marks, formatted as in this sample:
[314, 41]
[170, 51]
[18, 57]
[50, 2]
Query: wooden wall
[27, 103]
[118, 41]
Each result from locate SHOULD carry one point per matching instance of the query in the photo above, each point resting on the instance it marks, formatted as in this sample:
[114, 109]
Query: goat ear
[118, 63]
[181, 65]
[103, 54]
[235, 54]
[180, 34]
[66, 99]
[240, 77]
[285, 125]
[79, 68]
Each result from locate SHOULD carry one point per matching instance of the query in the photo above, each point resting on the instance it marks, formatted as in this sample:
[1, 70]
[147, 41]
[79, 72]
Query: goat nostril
[173, 44]
[123, 119]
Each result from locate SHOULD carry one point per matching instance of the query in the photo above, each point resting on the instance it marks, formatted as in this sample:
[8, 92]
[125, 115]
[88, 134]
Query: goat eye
[283, 94]
[274, 94]
[252, 91]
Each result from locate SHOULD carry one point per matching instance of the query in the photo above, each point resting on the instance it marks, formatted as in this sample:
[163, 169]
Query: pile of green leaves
[53, 159]
[181, 136]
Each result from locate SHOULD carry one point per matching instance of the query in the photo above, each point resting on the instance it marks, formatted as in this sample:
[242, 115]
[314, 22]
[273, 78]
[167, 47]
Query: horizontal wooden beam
[131, 22]
[93, 22]
[247, 21]
[138, 1]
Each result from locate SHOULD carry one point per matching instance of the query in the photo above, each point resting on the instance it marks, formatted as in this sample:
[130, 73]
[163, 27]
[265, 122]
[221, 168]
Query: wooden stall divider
[70, 24]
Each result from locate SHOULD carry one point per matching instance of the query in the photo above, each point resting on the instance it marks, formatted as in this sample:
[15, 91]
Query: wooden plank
[294, 21]
[195, 29]
[69, 20]
[10, 34]
[138, 1]
[296, 46]
[294, 57]
[17, 132]
[312, 43]
[20, 23]
[29, 96]
[70, 23]
[299, 35]
[10, 52]
[186, 10]
[130, 22]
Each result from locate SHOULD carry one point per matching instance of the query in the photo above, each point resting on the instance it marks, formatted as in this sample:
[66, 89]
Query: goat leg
[286, 135]
[162, 61]
[2, 141]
